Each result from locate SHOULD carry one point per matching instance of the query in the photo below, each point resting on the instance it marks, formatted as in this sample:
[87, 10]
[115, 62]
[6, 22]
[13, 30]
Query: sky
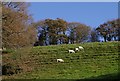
[60, 0]
[90, 13]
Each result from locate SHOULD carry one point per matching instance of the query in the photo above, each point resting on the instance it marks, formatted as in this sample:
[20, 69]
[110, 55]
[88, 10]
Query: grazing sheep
[71, 51]
[76, 49]
[4, 49]
[1, 49]
[81, 48]
[60, 60]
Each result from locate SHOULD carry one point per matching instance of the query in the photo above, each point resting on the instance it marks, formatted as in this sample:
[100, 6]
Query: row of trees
[58, 31]
[17, 28]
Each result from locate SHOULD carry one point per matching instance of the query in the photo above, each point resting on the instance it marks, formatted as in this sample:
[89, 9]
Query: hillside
[98, 60]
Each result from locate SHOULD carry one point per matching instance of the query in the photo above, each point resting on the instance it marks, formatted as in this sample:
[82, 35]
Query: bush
[10, 69]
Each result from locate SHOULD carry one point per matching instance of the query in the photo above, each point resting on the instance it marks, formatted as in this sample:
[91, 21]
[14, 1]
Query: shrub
[10, 69]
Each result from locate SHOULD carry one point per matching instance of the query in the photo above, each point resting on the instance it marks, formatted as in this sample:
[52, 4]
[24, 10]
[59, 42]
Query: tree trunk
[105, 38]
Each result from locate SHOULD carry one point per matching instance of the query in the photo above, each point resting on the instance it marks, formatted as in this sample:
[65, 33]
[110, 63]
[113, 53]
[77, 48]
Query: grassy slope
[40, 62]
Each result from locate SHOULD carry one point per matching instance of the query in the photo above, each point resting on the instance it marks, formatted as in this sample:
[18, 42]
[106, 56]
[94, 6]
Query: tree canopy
[17, 28]
[109, 30]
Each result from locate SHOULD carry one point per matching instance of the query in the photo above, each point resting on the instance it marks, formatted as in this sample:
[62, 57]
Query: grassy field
[97, 61]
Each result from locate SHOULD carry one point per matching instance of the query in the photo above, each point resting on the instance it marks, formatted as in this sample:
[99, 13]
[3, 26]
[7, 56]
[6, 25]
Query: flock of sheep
[71, 51]
[58, 60]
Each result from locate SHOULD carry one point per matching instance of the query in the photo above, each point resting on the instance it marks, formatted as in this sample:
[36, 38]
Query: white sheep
[81, 48]
[71, 51]
[4, 49]
[76, 49]
[60, 60]
[1, 49]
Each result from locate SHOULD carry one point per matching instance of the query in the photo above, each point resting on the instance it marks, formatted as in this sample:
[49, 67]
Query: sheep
[60, 60]
[71, 51]
[81, 48]
[4, 49]
[76, 49]
[1, 49]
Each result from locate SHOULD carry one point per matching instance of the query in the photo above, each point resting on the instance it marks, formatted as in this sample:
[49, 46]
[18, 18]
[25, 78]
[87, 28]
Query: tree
[118, 28]
[17, 29]
[51, 31]
[114, 29]
[82, 32]
[71, 28]
[101, 30]
[78, 32]
[42, 30]
[109, 30]
[63, 39]
[94, 36]
[61, 29]
[55, 28]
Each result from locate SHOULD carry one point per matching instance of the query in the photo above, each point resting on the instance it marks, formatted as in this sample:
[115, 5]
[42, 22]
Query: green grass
[97, 60]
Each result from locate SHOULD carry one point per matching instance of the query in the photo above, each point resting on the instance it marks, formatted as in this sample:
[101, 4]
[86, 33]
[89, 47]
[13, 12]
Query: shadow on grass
[108, 77]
